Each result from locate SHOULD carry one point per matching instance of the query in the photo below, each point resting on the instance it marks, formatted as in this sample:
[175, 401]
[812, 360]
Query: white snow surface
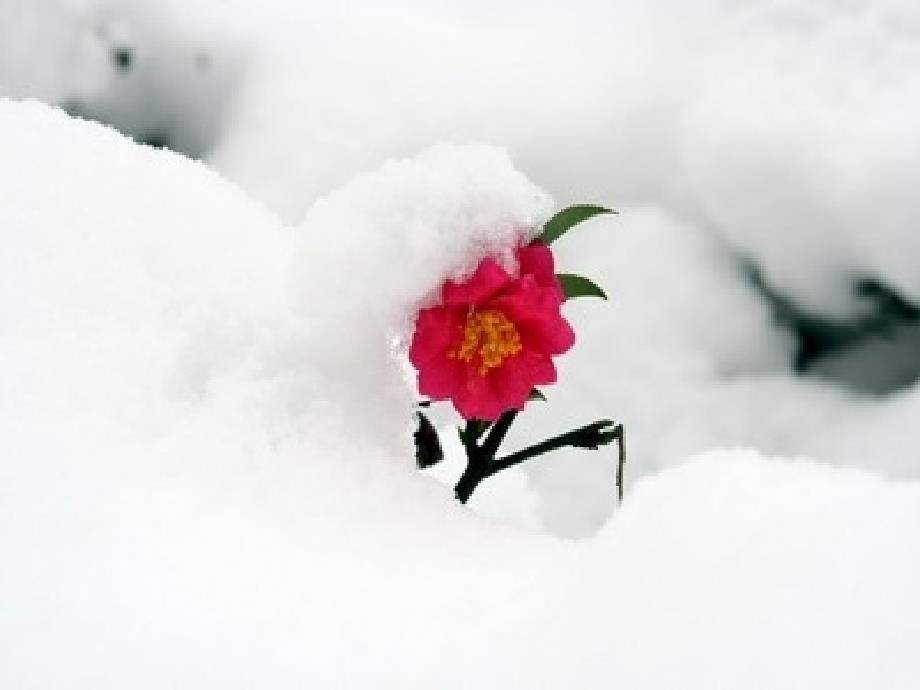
[206, 474]
[784, 128]
[778, 131]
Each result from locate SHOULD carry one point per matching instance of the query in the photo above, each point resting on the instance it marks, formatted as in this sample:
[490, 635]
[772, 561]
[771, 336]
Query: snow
[157, 75]
[192, 496]
[784, 129]
[394, 234]
[205, 451]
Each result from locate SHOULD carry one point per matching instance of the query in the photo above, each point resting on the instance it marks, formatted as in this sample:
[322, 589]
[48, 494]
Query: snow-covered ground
[206, 469]
[197, 494]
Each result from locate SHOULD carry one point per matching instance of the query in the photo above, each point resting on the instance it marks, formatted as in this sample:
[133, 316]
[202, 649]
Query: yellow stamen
[489, 336]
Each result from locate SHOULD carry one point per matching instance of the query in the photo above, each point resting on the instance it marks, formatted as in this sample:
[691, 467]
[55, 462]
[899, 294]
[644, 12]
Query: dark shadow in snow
[122, 58]
[877, 352]
[158, 86]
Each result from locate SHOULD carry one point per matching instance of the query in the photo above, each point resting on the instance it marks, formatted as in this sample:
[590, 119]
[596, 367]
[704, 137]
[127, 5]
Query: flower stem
[468, 481]
[481, 461]
[590, 436]
[480, 457]
[497, 434]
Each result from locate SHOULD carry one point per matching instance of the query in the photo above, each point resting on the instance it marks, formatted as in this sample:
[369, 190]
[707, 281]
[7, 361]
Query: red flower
[492, 338]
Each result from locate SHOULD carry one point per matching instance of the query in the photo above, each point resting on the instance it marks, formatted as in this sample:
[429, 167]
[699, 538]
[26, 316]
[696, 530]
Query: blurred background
[764, 271]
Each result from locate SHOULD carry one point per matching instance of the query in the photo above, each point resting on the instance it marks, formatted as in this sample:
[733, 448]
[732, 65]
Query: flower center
[489, 336]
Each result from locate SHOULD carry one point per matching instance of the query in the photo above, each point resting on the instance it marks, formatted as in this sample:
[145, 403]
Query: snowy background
[206, 474]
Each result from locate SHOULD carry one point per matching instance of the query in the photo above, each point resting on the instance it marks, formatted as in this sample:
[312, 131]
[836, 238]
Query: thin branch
[479, 457]
[481, 462]
[621, 460]
[497, 434]
[589, 436]
[428, 450]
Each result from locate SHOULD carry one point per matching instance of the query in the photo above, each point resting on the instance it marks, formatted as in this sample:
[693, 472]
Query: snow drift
[203, 485]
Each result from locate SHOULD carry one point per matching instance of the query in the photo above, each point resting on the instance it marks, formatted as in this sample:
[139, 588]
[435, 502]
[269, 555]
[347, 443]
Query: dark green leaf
[536, 394]
[579, 286]
[559, 224]
[427, 444]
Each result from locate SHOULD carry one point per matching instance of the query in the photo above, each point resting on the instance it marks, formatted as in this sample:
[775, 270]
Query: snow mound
[770, 132]
[180, 505]
[370, 253]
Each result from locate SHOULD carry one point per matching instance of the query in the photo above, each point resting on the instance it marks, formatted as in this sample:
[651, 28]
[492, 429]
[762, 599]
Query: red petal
[440, 378]
[512, 383]
[435, 330]
[518, 375]
[536, 259]
[476, 398]
[540, 368]
[536, 313]
[487, 279]
[550, 336]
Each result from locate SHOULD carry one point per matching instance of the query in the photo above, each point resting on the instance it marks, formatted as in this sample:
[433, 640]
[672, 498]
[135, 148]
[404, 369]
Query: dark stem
[475, 466]
[481, 462]
[589, 436]
[469, 480]
[480, 457]
[497, 434]
[621, 460]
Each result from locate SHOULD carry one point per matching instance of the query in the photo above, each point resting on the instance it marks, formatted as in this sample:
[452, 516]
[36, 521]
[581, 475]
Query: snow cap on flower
[406, 226]
[373, 251]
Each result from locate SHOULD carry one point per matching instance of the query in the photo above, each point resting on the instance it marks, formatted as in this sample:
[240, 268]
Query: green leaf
[427, 444]
[536, 394]
[567, 218]
[579, 286]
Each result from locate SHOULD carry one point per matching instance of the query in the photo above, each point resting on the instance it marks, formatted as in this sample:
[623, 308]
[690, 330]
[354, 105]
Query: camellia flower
[493, 336]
